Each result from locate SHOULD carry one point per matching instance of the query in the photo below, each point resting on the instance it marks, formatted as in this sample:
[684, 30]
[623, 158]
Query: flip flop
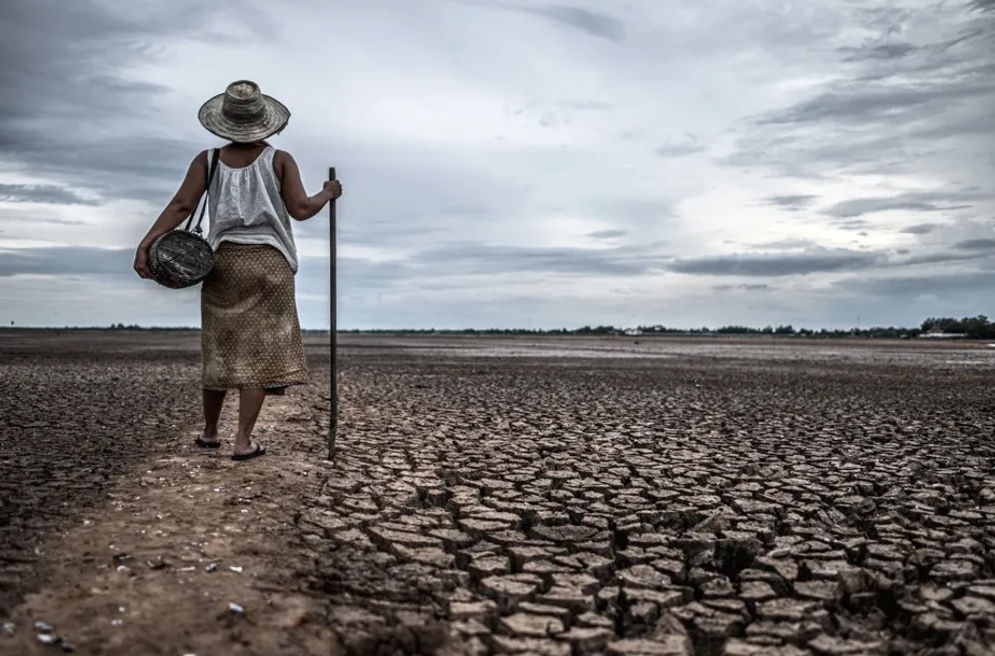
[252, 454]
[204, 444]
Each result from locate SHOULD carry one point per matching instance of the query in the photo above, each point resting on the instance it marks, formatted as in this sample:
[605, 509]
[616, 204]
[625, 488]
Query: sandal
[258, 451]
[207, 444]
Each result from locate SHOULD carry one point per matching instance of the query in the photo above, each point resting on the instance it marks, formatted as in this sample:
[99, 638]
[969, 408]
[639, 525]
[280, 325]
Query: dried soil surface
[544, 496]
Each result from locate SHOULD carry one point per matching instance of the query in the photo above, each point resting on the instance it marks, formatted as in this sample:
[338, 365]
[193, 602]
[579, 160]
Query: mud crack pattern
[71, 421]
[686, 506]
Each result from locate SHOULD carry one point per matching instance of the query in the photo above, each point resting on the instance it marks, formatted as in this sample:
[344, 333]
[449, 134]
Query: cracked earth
[542, 496]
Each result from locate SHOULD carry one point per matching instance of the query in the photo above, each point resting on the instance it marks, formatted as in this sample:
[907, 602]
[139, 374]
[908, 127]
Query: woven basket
[180, 259]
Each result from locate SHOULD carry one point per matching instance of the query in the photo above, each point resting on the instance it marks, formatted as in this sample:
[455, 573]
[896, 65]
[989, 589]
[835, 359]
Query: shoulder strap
[211, 168]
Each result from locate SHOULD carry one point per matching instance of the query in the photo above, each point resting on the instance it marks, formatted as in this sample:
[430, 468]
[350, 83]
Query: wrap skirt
[250, 332]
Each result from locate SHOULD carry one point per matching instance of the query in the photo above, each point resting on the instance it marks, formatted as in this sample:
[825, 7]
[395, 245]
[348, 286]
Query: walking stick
[333, 298]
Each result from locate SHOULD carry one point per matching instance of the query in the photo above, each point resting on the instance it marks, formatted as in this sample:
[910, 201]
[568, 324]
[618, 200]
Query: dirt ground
[503, 495]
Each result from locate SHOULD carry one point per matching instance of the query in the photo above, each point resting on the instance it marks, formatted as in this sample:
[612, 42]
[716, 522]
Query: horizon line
[659, 328]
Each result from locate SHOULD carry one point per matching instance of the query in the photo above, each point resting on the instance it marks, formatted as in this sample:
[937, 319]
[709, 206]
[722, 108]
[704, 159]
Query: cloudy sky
[522, 163]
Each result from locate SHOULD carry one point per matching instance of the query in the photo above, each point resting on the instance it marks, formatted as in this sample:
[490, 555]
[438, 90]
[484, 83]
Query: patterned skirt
[250, 333]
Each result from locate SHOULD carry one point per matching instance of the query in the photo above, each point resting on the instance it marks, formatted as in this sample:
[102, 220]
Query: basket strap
[212, 167]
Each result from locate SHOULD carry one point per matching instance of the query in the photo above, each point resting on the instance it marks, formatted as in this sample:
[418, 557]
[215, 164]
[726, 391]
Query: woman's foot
[252, 451]
[208, 441]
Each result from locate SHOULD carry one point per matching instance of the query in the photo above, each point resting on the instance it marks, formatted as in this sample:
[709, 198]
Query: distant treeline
[975, 327]
[650, 331]
[978, 327]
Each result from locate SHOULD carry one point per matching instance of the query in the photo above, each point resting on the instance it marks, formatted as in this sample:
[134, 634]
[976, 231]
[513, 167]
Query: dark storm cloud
[891, 101]
[967, 283]
[60, 60]
[920, 228]
[938, 258]
[793, 203]
[858, 105]
[65, 103]
[976, 244]
[471, 258]
[115, 167]
[116, 265]
[784, 244]
[476, 258]
[885, 51]
[792, 154]
[606, 234]
[434, 268]
[72, 260]
[57, 221]
[744, 287]
[17, 193]
[918, 202]
[851, 224]
[776, 264]
[589, 22]
[812, 261]
[353, 273]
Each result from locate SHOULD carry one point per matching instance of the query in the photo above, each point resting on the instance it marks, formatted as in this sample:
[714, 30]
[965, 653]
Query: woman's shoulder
[200, 160]
[281, 159]
[281, 155]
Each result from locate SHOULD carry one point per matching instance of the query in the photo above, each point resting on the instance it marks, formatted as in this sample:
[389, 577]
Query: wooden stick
[333, 298]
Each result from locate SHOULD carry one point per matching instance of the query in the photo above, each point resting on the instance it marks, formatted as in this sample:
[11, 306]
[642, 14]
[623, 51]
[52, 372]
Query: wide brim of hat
[273, 120]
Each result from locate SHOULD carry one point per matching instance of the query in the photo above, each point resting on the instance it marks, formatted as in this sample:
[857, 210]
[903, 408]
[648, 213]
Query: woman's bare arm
[179, 208]
[299, 204]
[184, 201]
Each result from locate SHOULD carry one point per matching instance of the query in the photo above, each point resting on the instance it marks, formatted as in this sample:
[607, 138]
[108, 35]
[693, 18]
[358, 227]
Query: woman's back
[246, 205]
[240, 155]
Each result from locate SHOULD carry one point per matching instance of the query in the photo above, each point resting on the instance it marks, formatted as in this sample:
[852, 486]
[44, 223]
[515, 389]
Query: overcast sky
[518, 163]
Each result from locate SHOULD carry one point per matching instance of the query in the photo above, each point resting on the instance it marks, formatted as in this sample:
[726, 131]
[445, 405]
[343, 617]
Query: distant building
[633, 331]
[937, 333]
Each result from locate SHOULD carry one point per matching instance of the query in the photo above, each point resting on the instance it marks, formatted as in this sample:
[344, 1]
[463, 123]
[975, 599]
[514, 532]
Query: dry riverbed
[504, 495]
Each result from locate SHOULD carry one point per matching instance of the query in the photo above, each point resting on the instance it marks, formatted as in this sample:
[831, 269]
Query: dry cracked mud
[795, 499]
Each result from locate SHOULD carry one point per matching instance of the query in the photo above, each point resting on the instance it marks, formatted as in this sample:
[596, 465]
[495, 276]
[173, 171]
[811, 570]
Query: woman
[250, 333]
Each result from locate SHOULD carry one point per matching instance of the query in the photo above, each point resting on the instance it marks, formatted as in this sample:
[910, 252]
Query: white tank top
[246, 207]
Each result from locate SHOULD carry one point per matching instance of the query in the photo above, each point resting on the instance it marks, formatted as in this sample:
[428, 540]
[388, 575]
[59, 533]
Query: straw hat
[242, 114]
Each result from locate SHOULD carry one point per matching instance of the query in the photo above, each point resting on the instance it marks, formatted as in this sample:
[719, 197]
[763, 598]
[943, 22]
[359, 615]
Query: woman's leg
[250, 402]
[213, 400]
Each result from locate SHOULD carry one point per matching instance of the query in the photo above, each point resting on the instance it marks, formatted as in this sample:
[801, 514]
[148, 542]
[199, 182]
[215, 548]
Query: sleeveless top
[246, 207]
